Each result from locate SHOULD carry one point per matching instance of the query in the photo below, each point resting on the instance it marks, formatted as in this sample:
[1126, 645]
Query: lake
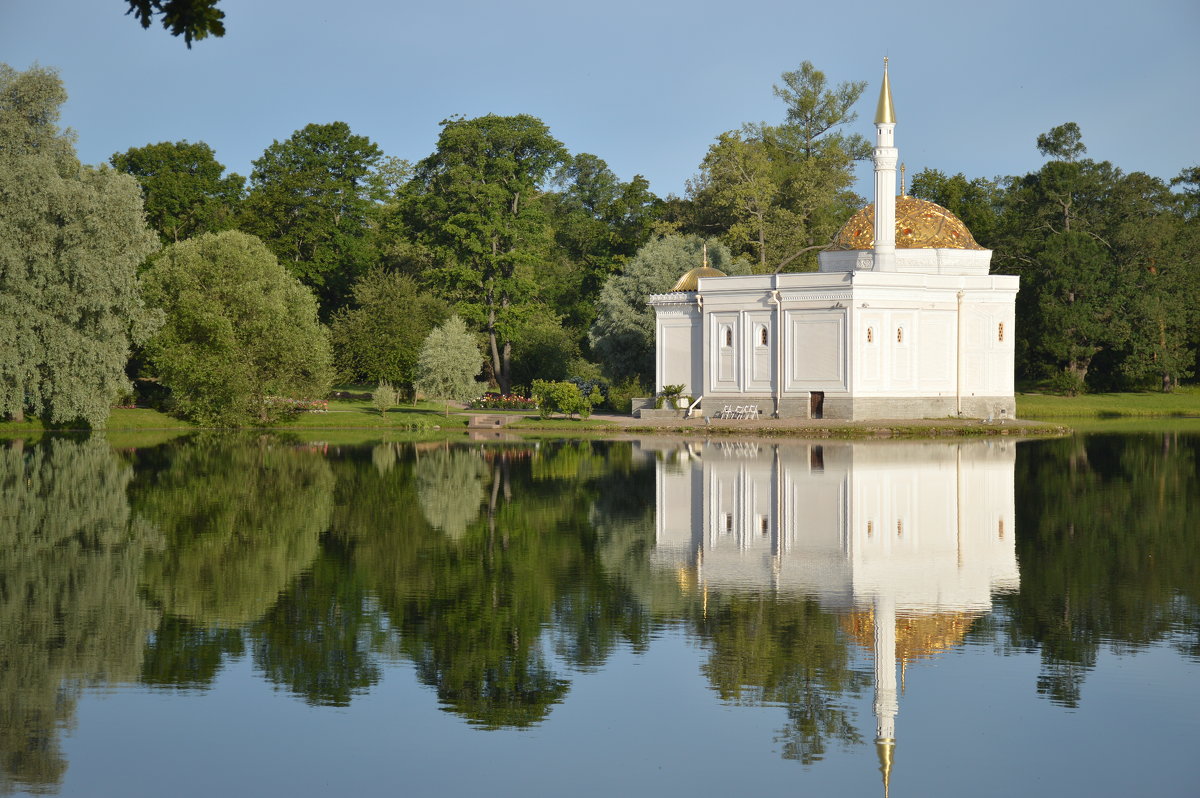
[266, 616]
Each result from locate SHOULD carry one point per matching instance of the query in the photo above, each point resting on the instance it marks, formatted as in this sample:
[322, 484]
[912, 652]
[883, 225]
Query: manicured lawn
[1182, 402]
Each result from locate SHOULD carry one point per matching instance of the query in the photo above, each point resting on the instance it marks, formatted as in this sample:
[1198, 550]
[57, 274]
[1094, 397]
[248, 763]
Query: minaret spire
[886, 156]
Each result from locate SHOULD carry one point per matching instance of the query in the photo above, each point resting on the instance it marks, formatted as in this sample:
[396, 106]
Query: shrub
[565, 398]
[385, 396]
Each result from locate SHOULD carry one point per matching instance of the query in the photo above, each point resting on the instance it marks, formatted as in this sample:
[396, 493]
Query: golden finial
[885, 748]
[704, 250]
[903, 193]
[885, 114]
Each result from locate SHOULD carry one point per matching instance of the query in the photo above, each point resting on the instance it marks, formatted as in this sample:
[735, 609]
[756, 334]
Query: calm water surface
[234, 616]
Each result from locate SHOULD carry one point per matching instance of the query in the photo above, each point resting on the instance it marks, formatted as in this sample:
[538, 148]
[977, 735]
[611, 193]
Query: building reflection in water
[906, 542]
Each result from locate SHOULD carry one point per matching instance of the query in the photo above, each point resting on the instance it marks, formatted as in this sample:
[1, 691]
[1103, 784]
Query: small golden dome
[691, 280]
[919, 225]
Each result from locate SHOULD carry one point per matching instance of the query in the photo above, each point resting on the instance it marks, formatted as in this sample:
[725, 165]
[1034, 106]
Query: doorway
[816, 404]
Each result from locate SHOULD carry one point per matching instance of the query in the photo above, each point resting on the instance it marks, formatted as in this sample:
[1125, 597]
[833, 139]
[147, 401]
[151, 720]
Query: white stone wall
[940, 342]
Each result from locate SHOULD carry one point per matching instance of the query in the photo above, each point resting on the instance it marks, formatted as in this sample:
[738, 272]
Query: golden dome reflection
[919, 225]
[917, 636]
[691, 280]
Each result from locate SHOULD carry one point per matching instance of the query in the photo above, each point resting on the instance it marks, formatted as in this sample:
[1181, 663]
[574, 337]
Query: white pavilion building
[902, 320]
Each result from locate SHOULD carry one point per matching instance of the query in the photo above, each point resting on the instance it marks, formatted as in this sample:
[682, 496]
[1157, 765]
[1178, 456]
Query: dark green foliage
[380, 336]
[476, 203]
[1105, 269]
[195, 19]
[313, 200]
[183, 189]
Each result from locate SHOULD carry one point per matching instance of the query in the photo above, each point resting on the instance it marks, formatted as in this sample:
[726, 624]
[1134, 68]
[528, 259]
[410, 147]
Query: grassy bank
[1183, 402]
[343, 414]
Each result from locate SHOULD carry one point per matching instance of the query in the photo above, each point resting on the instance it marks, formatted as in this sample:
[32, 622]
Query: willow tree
[71, 238]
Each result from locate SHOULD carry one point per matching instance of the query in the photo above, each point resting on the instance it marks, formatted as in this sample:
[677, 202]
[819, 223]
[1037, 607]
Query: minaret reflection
[907, 542]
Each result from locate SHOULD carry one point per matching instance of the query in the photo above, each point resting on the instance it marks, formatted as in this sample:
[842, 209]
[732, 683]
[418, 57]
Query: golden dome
[917, 636]
[919, 225]
[691, 280]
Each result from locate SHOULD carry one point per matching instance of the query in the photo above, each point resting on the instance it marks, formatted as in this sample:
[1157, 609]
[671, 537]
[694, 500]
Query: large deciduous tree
[476, 201]
[183, 188]
[71, 239]
[780, 192]
[313, 199]
[241, 333]
[1103, 268]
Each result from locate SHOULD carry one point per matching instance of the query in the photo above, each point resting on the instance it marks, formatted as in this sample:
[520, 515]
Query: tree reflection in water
[500, 570]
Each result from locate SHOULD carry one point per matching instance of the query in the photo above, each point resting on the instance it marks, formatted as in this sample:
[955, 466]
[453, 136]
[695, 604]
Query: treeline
[547, 255]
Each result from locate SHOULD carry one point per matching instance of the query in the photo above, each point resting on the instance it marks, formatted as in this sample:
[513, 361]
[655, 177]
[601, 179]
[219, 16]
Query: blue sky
[645, 85]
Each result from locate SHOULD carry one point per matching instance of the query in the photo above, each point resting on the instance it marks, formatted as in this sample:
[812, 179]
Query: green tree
[183, 188]
[476, 202]
[623, 335]
[314, 200]
[1151, 240]
[1055, 236]
[448, 363]
[241, 333]
[780, 192]
[71, 239]
[599, 223]
[978, 202]
[1064, 143]
[195, 19]
[380, 337]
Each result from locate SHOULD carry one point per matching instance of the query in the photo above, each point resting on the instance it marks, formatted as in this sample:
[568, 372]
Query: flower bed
[302, 405]
[495, 401]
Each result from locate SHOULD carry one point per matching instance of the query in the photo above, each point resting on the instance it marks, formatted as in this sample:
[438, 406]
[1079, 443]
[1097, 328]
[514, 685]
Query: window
[762, 336]
[726, 336]
[1000, 333]
[870, 335]
[900, 528]
[899, 335]
[870, 529]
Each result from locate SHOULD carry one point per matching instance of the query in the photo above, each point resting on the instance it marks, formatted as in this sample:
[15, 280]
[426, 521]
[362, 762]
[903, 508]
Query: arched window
[762, 336]
[728, 336]
[899, 335]
[870, 335]
[1000, 332]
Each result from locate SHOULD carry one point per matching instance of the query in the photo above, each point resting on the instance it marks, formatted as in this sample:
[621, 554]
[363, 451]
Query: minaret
[886, 156]
[886, 702]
